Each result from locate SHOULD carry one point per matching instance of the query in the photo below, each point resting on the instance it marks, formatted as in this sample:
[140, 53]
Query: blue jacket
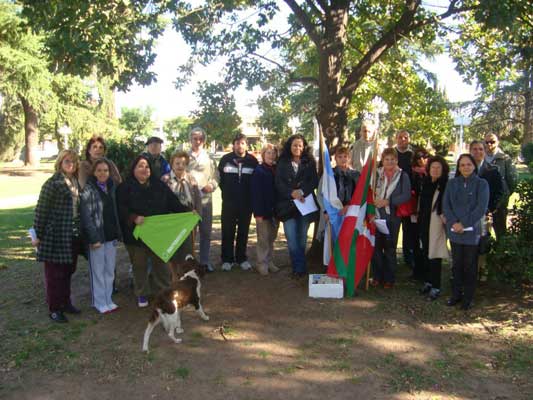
[465, 201]
[263, 192]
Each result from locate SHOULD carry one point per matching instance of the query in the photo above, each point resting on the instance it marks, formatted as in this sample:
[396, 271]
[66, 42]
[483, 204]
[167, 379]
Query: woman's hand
[298, 194]
[96, 245]
[35, 243]
[139, 220]
[380, 203]
[207, 188]
[443, 219]
[458, 227]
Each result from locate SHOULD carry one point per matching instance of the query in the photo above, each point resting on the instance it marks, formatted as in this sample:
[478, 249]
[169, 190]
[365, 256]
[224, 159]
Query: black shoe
[58, 316]
[425, 289]
[70, 309]
[452, 302]
[467, 305]
[434, 294]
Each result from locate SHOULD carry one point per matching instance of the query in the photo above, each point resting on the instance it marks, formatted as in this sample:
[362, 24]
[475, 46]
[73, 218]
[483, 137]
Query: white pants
[102, 273]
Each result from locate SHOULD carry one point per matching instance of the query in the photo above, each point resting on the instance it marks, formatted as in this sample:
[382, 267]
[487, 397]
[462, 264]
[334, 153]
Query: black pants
[384, 260]
[499, 221]
[429, 269]
[419, 260]
[408, 241]
[464, 270]
[235, 218]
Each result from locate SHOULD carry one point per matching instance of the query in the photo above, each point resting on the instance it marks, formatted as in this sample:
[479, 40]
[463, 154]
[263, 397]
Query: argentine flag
[328, 193]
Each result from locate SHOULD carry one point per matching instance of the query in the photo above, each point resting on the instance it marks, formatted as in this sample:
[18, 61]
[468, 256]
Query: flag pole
[374, 181]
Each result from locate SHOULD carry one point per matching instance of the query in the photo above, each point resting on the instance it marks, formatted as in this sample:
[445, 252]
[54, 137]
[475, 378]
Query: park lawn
[21, 181]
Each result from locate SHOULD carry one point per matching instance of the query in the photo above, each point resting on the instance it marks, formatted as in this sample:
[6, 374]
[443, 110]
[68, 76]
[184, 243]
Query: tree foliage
[217, 112]
[137, 122]
[341, 48]
[177, 130]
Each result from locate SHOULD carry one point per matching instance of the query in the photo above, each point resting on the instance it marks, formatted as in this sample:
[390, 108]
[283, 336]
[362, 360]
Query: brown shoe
[375, 283]
[388, 285]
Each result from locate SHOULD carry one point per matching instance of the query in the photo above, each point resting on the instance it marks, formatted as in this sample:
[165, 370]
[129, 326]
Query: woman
[392, 189]
[431, 224]
[141, 196]
[96, 149]
[263, 204]
[296, 178]
[184, 186]
[99, 219]
[418, 173]
[465, 203]
[57, 226]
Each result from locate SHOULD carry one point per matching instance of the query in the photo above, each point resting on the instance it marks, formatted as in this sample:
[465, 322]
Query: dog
[182, 292]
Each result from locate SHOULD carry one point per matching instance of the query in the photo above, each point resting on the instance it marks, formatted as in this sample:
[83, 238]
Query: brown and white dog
[168, 302]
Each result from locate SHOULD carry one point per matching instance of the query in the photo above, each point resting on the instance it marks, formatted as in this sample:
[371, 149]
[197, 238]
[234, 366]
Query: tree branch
[285, 70]
[306, 22]
[304, 79]
[315, 9]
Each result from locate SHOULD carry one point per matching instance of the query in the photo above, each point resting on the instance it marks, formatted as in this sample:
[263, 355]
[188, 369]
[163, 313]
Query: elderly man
[496, 156]
[363, 148]
[203, 168]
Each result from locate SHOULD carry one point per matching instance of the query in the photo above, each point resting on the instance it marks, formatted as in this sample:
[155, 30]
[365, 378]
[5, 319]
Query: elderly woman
[185, 187]
[96, 149]
[465, 203]
[263, 205]
[101, 228]
[296, 178]
[431, 224]
[57, 226]
[140, 196]
[393, 188]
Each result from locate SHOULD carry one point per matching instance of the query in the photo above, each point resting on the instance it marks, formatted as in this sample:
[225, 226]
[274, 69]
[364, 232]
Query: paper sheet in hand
[308, 206]
[468, 229]
[164, 234]
[381, 224]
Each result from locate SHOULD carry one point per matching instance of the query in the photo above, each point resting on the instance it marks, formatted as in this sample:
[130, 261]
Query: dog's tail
[189, 257]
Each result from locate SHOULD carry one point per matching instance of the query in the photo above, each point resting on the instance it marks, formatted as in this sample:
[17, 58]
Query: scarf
[74, 188]
[182, 189]
[385, 186]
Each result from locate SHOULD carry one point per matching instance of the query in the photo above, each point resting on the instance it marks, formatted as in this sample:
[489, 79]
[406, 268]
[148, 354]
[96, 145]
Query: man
[203, 168]
[363, 148]
[160, 169]
[496, 156]
[405, 158]
[235, 171]
[490, 173]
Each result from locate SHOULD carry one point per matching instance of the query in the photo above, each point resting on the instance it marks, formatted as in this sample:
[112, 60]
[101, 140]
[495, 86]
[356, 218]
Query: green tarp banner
[164, 234]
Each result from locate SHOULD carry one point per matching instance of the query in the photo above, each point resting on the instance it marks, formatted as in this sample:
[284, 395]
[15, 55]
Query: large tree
[332, 45]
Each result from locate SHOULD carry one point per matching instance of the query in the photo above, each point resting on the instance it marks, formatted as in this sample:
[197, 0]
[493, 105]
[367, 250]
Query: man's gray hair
[197, 129]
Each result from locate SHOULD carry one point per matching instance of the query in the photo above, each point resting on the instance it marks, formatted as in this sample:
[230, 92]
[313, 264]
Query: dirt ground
[277, 343]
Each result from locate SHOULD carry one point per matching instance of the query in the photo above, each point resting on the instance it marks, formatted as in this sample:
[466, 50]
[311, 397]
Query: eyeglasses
[490, 141]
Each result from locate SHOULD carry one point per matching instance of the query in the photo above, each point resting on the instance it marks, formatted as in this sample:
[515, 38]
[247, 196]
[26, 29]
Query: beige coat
[437, 233]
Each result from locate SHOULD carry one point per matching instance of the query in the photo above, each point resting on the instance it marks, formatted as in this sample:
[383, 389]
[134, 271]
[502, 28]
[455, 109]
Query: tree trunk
[528, 108]
[31, 134]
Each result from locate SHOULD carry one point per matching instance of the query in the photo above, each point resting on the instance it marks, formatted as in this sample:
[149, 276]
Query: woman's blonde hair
[269, 146]
[64, 154]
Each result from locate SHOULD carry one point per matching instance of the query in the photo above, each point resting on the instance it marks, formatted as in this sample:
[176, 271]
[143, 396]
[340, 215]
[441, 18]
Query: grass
[14, 244]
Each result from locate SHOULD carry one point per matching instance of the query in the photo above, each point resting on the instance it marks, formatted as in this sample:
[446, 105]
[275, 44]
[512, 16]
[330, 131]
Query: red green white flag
[354, 247]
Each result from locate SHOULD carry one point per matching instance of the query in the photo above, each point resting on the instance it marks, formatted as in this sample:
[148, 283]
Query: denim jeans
[296, 233]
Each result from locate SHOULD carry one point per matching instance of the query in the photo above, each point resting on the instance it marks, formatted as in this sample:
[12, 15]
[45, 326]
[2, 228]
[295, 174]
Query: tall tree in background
[137, 122]
[495, 45]
[216, 112]
[332, 45]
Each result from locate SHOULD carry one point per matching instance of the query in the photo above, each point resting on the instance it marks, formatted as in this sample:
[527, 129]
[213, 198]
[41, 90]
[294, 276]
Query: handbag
[408, 208]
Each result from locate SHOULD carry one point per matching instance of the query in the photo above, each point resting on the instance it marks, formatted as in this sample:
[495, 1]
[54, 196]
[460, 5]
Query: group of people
[87, 208]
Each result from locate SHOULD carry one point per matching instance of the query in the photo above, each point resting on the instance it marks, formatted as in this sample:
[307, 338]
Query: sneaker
[226, 266]
[209, 267]
[102, 310]
[58, 316]
[245, 266]
[142, 302]
[111, 308]
[272, 267]
[434, 294]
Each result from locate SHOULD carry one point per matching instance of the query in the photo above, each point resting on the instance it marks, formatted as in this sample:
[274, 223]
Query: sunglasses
[490, 141]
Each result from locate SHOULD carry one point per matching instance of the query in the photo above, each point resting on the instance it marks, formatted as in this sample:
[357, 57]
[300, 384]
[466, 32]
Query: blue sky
[169, 102]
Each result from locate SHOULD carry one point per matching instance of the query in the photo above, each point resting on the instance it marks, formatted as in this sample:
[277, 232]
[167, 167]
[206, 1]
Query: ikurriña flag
[354, 247]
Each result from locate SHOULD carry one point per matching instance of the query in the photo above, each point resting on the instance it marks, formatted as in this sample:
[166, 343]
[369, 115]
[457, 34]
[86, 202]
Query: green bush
[527, 153]
[511, 260]
[122, 153]
[511, 149]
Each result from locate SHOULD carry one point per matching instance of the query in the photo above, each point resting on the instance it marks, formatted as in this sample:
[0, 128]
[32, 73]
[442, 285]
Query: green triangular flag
[165, 233]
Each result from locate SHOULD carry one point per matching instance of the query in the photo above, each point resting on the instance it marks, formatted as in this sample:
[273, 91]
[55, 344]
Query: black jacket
[496, 186]
[235, 180]
[263, 191]
[287, 180]
[134, 199]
